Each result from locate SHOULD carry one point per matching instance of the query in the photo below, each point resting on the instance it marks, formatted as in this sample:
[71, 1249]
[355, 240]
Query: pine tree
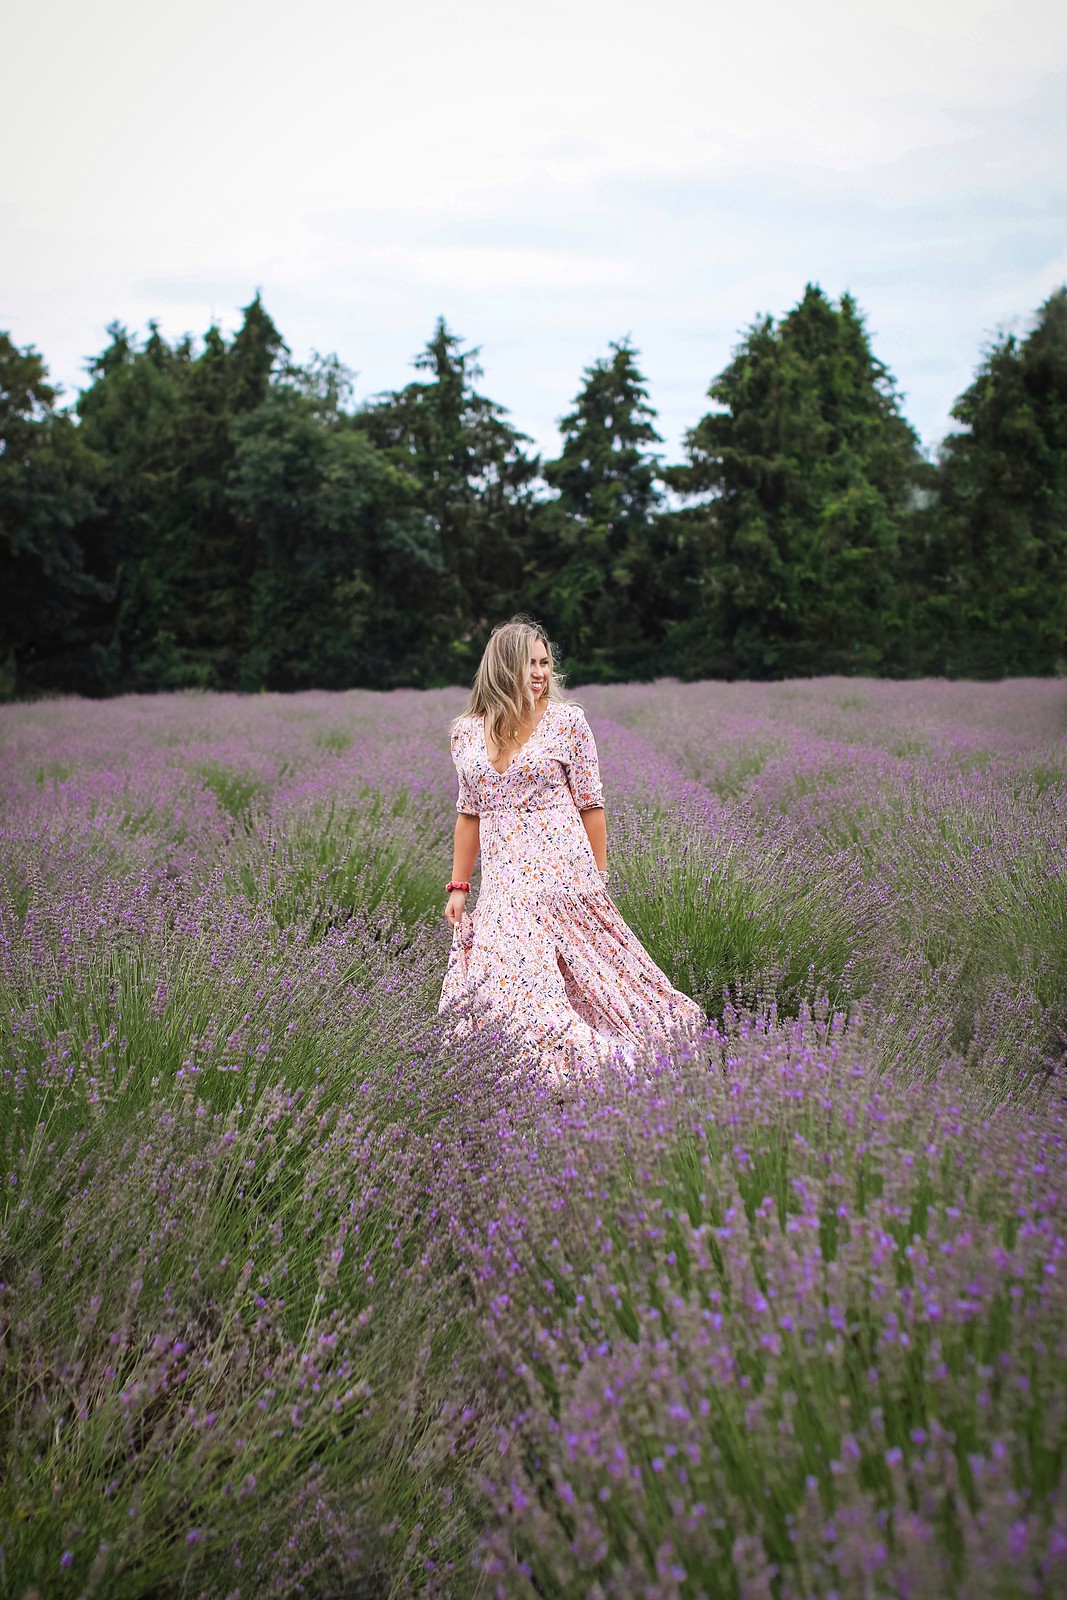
[163, 418]
[213, 558]
[346, 558]
[476, 487]
[129, 416]
[254, 357]
[996, 579]
[812, 470]
[48, 481]
[602, 584]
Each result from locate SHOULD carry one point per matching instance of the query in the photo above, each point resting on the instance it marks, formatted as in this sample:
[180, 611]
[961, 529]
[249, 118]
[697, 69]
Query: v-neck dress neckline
[519, 751]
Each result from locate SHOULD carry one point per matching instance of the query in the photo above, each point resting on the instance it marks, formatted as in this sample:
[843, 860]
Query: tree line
[212, 514]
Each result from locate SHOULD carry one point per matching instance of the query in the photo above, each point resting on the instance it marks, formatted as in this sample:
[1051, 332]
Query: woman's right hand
[454, 909]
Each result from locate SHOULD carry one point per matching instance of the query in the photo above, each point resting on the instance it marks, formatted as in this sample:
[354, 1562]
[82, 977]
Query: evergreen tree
[253, 358]
[812, 470]
[129, 417]
[213, 559]
[206, 576]
[996, 579]
[48, 480]
[163, 418]
[220, 518]
[346, 558]
[602, 585]
[476, 487]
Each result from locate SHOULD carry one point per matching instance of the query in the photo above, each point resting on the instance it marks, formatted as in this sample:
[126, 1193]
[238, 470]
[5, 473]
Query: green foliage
[476, 486]
[47, 482]
[603, 587]
[192, 1422]
[811, 468]
[217, 517]
[995, 591]
[165, 420]
[341, 552]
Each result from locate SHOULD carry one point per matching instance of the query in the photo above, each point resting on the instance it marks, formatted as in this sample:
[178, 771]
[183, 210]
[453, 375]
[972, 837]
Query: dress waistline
[512, 807]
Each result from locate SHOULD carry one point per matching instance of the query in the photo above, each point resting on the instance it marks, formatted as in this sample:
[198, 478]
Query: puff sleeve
[468, 799]
[583, 768]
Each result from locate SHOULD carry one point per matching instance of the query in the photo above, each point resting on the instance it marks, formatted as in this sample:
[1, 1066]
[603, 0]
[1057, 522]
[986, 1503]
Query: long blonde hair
[498, 692]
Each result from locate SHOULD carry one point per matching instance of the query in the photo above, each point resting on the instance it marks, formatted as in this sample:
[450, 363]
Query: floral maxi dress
[545, 958]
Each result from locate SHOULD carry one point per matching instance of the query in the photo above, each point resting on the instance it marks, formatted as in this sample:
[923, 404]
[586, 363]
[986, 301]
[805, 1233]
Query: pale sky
[547, 176]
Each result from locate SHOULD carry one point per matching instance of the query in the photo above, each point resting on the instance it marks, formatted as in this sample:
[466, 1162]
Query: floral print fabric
[545, 956]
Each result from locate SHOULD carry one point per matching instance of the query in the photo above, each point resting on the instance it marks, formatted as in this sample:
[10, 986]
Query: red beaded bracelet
[464, 888]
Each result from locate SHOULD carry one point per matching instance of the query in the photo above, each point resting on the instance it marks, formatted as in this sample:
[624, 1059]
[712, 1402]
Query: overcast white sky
[548, 176]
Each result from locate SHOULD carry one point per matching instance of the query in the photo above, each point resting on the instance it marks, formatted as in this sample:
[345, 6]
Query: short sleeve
[583, 769]
[468, 800]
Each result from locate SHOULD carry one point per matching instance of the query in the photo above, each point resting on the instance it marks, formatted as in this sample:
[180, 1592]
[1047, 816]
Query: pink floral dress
[545, 957]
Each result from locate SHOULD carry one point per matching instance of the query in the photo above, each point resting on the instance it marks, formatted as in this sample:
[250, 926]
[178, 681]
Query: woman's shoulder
[569, 709]
[570, 713]
[464, 726]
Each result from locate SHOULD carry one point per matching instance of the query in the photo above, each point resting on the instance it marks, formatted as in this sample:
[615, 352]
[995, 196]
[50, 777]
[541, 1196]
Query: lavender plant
[781, 1328]
[297, 1297]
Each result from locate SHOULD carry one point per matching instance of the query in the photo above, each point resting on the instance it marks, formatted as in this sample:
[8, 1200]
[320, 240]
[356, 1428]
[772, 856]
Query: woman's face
[539, 670]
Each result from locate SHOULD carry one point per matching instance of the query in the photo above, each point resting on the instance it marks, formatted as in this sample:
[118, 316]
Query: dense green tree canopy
[998, 575]
[163, 419]
[214, 515]
[48, 484]
[344, 553]
[811, 470]
[476, 485]
[607, 583]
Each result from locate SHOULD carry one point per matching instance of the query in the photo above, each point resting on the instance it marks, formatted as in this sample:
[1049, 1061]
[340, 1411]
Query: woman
[546, 957]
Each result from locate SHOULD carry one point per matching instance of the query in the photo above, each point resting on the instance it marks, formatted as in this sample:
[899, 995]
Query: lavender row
[295, 1298]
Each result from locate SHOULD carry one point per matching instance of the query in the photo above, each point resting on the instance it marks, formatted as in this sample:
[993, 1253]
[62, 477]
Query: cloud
[547, 177]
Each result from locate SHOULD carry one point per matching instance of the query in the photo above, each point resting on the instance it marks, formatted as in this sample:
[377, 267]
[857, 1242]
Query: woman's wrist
[457, 886]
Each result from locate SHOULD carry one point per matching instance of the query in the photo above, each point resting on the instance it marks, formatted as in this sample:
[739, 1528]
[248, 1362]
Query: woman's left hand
[454, 909]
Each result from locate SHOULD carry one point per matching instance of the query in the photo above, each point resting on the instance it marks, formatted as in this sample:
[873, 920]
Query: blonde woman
[545, 958]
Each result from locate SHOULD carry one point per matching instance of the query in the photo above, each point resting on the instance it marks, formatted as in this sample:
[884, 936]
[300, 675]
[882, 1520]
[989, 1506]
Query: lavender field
[300, 1297]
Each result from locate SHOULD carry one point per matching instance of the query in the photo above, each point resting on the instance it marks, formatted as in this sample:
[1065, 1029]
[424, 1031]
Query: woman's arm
[464, 855]
[583, 776]
[597, 829]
